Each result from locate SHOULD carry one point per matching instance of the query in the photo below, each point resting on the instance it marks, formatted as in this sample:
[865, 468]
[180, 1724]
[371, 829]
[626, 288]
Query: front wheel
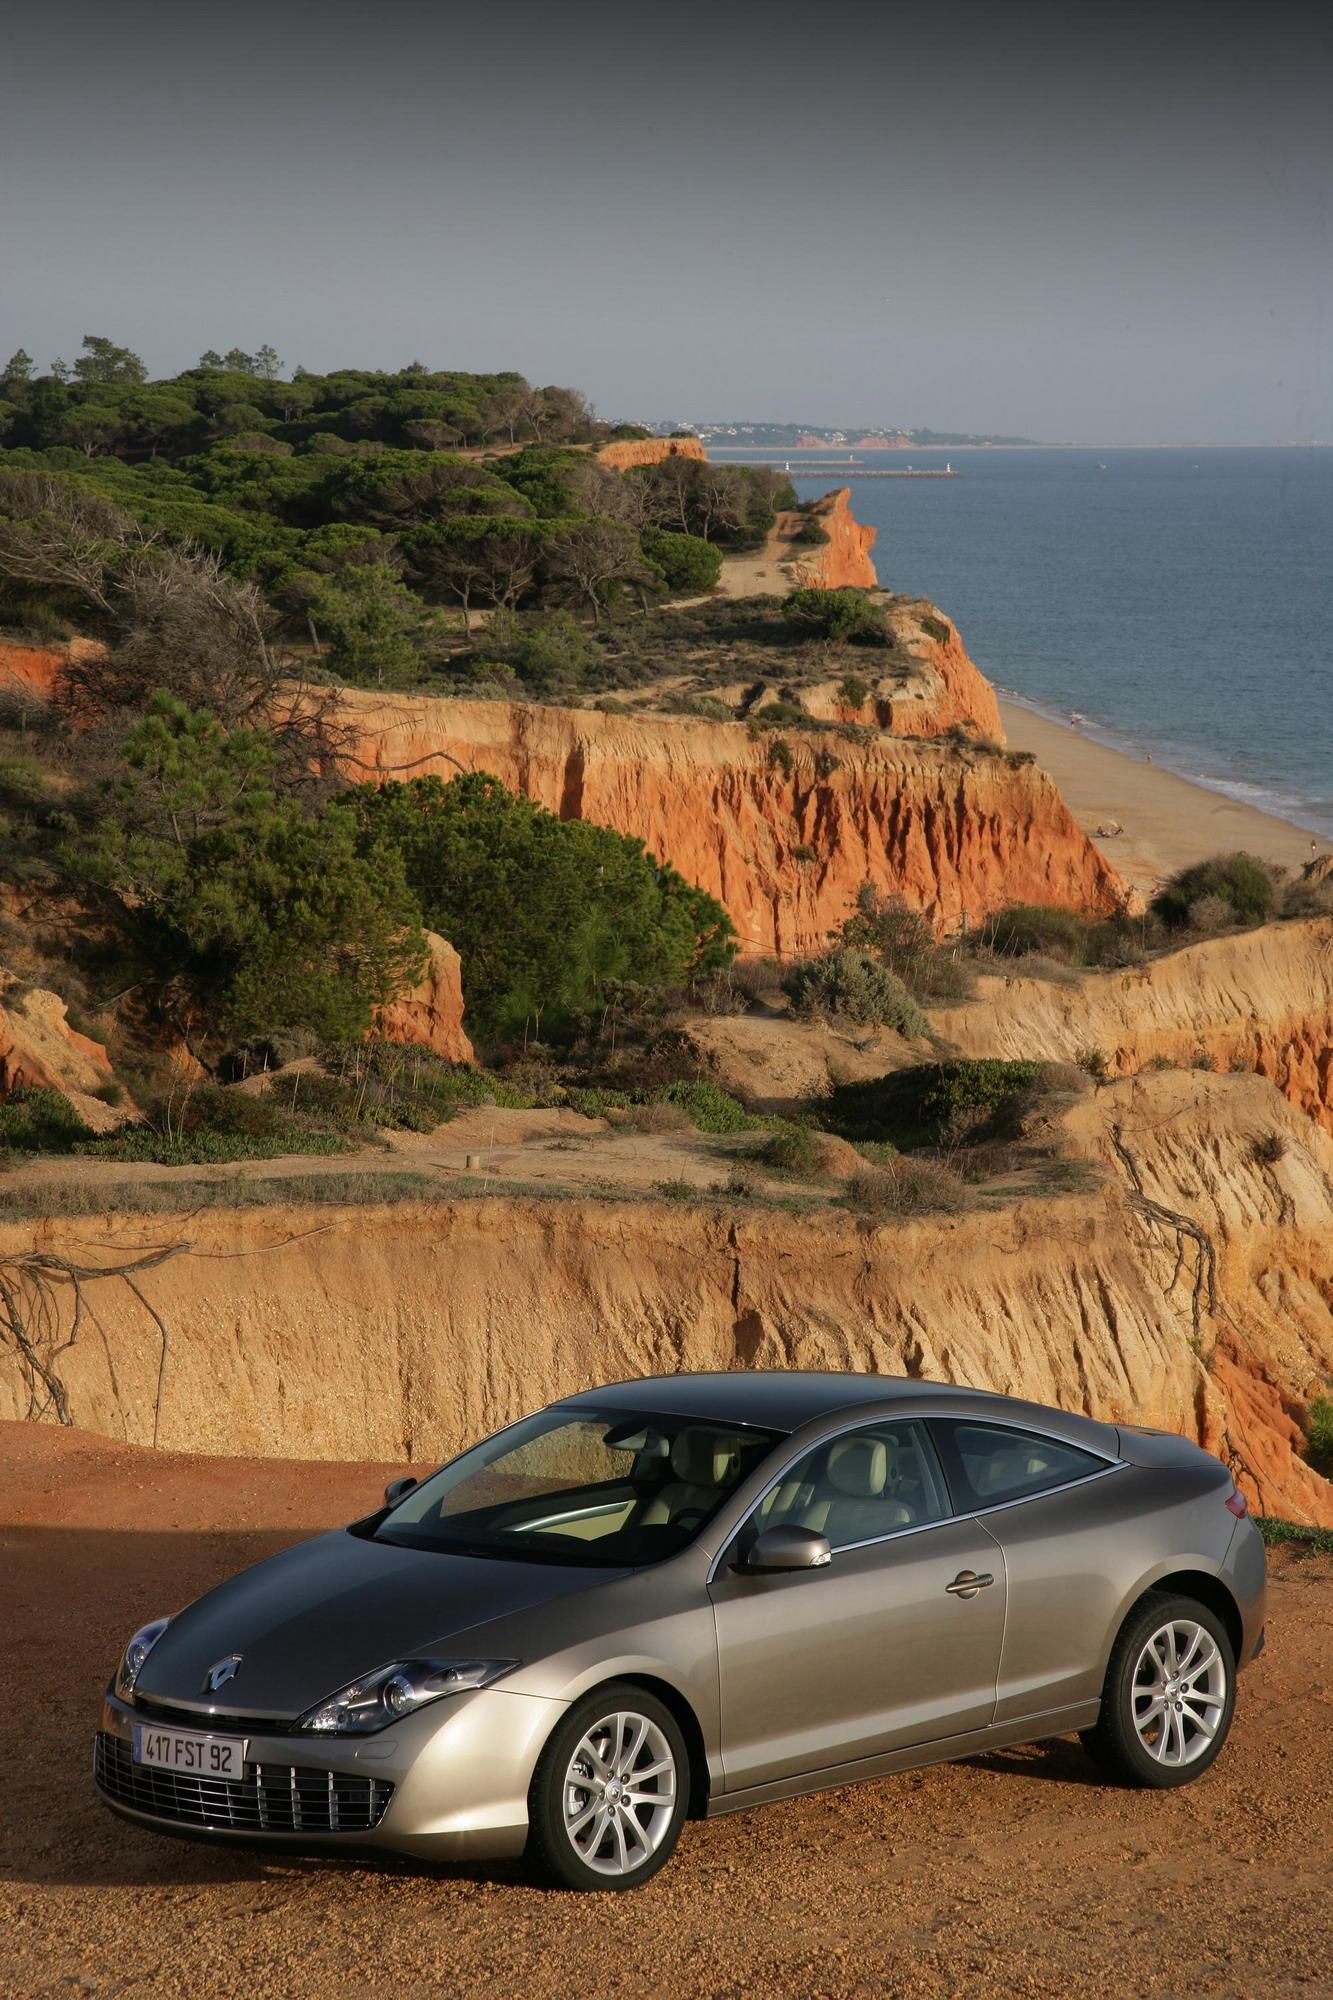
[1169, 1695]
[610, 1792]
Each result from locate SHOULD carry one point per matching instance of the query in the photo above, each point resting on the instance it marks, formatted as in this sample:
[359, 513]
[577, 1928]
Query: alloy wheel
[1179, 1692]
[619, 1793]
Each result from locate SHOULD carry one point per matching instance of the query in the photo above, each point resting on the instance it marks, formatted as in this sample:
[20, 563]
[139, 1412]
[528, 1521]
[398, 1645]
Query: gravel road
[1014, 1874]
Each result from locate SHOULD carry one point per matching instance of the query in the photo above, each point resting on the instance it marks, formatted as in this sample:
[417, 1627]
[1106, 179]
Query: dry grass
[907, 1186]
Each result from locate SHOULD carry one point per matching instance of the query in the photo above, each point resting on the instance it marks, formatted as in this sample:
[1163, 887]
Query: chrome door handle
[967, 1583]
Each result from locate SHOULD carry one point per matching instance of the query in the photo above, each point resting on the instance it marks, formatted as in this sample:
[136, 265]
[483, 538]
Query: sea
[1178, 601]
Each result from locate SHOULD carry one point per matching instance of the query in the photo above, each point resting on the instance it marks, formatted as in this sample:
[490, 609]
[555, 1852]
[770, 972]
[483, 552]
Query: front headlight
[140, 1646]
[398, 1690]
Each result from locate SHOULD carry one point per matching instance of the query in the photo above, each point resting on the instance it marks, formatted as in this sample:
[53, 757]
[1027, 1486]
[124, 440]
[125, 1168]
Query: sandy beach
[1168, 822]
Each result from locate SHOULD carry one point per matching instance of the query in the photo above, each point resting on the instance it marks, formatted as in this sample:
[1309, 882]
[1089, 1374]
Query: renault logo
[221, 1672]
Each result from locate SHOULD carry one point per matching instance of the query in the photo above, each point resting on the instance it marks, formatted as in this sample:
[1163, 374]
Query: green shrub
[1242, 881]
[854, 691]
[544, 912]
[936, 1103]
[774, 713]
[1319, 1438]
[40, 1121]
[203, 1148]
[848, 617]
[792, 1149]
[686, 561]
[780, 756]
[901, 939]
[1022, 929]
[853, 987]
[933, 627]
[708, 1107]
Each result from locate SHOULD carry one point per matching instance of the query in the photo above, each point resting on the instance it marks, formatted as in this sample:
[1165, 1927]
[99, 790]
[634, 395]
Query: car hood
[310, 1620]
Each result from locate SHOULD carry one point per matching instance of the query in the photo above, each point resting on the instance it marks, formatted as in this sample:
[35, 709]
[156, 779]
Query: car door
[894, 1642]
[1059, 1520]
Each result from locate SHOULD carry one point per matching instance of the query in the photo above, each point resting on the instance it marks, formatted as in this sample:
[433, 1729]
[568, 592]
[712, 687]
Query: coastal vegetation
[372, 513]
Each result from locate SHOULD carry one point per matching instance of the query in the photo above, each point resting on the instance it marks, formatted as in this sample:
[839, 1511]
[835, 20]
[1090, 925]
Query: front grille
[270, 1798]
[216, 1720]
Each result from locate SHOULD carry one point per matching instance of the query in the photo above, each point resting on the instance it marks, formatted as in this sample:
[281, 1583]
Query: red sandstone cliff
[844, 560]
[940, 689]
[784, 851]
[625, 452]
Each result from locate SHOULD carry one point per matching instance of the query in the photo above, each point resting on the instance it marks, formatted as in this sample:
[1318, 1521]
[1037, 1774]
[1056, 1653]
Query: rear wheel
[1169, 1695]
[610, 1792]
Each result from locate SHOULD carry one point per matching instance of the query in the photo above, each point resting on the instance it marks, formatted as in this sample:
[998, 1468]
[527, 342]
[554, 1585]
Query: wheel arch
[1206, 1588]
[682, 1711]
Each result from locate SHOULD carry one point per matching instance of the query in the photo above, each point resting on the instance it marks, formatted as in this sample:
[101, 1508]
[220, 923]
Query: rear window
[990, 1463]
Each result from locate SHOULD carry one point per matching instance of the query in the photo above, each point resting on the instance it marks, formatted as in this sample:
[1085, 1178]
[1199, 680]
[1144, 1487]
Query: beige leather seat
[701, 1462]
[851, 1504]
[1008, 1471]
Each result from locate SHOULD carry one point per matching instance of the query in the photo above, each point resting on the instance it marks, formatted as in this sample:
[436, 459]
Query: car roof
[777, 1399]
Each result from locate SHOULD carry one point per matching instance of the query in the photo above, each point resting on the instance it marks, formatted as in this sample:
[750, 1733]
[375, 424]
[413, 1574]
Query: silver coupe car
[685, 1596]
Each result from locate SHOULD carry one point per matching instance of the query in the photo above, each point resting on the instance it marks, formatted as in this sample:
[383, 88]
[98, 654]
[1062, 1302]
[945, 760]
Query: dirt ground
[1015, 1874]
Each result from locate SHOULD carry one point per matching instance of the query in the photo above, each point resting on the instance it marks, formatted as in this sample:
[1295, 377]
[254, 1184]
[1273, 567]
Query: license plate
[180, 1750]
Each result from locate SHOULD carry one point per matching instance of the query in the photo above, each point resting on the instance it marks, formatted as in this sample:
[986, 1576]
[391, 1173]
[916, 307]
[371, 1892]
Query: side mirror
[396, 1488]
[788, 1548]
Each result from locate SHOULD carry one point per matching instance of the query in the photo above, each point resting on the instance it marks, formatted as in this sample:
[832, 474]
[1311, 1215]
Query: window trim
[946, 1451]
[1108, 1464]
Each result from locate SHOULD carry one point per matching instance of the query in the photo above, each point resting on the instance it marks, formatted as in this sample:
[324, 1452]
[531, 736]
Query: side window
[991, 1463]
[869, 1482]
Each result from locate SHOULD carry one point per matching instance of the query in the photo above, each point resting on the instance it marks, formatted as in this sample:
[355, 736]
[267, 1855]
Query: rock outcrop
[430, 1014]
[1261, 1000]
[622, 453]
[783, 832]
[40, 1051]
[941, 689]
[841, 561]
[1187, 1286]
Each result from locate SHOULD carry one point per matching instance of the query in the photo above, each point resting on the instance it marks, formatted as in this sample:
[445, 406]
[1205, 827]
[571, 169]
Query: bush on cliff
[544, 912]
[901, 939]
[250, 911]
[1241, 880]
[851, 986]
[846, 616]
[934, 1104]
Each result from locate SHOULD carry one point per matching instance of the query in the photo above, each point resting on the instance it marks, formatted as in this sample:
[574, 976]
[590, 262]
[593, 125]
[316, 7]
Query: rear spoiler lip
[1165, 1451]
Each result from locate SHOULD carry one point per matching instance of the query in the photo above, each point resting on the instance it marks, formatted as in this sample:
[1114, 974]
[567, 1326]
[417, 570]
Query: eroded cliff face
[784, 851]
[944, 689]
[622, 453]
[1261, 1001]
[436, 1322]
[840, 562]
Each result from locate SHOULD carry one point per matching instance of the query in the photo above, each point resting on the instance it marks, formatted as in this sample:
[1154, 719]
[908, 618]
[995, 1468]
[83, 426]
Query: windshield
[613, 1491]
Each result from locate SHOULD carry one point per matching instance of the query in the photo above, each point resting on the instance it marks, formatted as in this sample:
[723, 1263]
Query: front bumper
[456, 1777]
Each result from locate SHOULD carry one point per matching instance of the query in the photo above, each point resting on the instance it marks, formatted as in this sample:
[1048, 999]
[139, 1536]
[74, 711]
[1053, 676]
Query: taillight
[1238, 1505]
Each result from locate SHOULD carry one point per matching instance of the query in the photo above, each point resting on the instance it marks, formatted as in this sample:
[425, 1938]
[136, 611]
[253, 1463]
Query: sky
[1102, 223]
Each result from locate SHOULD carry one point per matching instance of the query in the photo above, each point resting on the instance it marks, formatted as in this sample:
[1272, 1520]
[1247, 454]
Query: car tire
[1169, 1695]
[611, 1737]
